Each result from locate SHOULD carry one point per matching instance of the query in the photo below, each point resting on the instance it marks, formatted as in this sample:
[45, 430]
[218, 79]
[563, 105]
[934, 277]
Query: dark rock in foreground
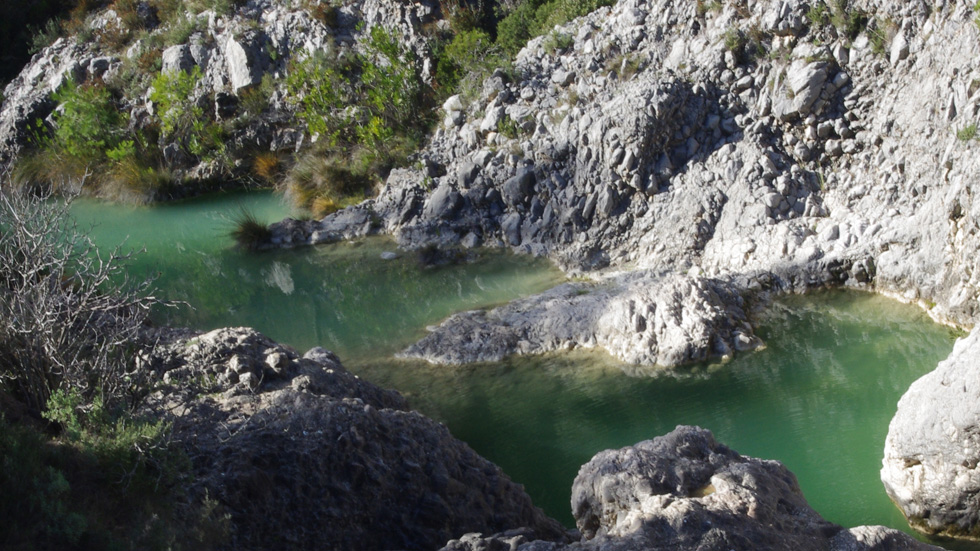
[685, 491]
[305, 455]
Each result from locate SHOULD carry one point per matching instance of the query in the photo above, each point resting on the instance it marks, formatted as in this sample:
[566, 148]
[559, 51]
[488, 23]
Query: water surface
[818, 398]
[343, 297]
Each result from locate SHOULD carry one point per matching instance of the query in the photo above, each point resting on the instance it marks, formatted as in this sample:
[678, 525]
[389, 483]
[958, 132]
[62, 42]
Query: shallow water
[343, 297]
[818, 398]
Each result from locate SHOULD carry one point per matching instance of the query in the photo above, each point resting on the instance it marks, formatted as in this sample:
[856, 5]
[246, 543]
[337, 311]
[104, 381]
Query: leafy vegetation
[533, 18]
[465, 61]
[967, 133]
[367, 113]
[848, 20]
[91, 142]
[182, 119]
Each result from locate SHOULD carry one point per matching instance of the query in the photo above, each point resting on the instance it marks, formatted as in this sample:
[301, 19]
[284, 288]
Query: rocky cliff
[238, 55]
[933, 447]
[764, 145]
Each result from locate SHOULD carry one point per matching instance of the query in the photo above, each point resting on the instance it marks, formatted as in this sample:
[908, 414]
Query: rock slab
[685, 491]
[933, 447]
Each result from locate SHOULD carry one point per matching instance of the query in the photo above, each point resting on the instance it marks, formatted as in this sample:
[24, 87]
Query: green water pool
[818, 398]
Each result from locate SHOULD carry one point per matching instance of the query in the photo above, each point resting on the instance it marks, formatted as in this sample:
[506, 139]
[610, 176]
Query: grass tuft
[249, 233]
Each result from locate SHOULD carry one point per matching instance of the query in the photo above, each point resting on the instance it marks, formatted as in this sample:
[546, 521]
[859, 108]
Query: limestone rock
[803, 86]
[643, 320]
[311, 456]
[177, 58]
[933, 446]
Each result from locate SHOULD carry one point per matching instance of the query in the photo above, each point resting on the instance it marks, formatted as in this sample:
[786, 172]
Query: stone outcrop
[28, 97]
[641, 319]
[933, 447]
[685, 491]
[303, 454]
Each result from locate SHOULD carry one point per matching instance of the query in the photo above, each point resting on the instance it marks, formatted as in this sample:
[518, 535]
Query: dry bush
[69, 320]
[266, 166]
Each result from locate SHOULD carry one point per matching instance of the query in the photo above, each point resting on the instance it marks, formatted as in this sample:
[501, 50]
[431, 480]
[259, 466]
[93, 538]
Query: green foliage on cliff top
[182, 119]
[534, 18]
[367, 112]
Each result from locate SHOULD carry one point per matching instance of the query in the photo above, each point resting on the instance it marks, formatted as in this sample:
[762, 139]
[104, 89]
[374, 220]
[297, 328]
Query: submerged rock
[933, 447]
[685, 491]
[302, 454]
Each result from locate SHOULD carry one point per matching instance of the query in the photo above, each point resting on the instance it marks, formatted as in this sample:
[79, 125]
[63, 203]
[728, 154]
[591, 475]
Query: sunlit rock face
[933, 446]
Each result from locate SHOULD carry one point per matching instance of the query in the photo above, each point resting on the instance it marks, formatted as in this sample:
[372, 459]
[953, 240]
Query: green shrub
[168, 10]
[818, 15]
[508, 128]
[849, 21]
[372, 107]
[518, 27]
[88, 124]
[967, 133]
[44, 36]
[90, 137]
[558, 42]
[533, 18]
[320, 86]
[466, 61]
[746, 47]
[180, 29]
[182, 119]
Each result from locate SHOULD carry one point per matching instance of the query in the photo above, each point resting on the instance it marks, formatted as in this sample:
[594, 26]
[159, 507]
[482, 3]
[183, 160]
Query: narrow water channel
[818, 398]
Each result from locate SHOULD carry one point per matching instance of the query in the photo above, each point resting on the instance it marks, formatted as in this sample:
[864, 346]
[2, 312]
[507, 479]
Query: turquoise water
[818, 398]
[343, 297]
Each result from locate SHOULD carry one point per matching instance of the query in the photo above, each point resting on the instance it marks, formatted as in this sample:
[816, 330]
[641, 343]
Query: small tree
[69, 320]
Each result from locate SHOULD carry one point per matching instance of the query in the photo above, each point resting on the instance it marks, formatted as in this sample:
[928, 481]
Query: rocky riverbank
[298, 453]
[756, 145]
[713, 152]
[762, 146]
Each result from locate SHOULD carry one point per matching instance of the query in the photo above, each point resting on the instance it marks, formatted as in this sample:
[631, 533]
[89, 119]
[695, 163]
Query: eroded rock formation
[685, 491]
[757, 145]
[933, 447]
[305, 455]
